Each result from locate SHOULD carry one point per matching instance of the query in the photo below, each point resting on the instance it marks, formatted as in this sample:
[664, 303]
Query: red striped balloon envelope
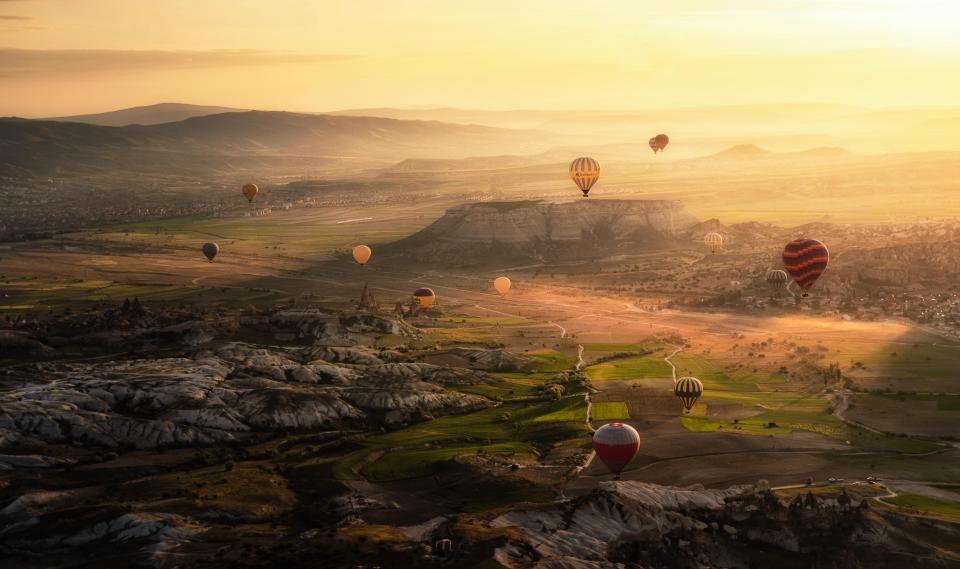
[805, 260]
[616, 444]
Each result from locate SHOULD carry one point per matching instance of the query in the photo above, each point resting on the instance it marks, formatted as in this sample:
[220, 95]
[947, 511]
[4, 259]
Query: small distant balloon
[616, 444]
[424, 298]
[210, 250]
[805, 260]
[688, 390]
[713, 241]
[362, 254]
[777, 279]
[585, 172]
[250, 191]
[502, 285]
[659, 143]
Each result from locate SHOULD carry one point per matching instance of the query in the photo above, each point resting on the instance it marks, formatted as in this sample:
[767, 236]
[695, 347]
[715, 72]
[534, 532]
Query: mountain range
[245, 140]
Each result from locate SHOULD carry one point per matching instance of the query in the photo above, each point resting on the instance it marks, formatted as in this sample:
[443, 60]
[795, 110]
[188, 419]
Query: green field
[424, 448]
[544, 366]
[925, 504]
[635, 367]
[298, 233]
[609, 411]
[49, 294]
[918, 366]
[784, 408]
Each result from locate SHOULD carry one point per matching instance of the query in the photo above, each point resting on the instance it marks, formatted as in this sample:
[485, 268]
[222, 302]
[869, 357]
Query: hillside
[524, 231]
[146, 115]
[226, 141]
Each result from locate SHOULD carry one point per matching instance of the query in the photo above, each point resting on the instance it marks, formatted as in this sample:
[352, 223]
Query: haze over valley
[493, 286]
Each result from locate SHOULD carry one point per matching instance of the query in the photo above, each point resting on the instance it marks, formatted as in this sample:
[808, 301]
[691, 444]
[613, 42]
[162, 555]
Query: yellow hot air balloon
[713, 241]
[502, 285]
[424, 298]
[585, 172]
[250, 191]
[361, 254]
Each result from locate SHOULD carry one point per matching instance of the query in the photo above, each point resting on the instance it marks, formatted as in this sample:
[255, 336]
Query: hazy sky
[71, 56]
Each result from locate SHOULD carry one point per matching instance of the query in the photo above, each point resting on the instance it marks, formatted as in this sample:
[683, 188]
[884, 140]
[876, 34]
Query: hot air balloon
[424, 298]
[210, 250]
[616, 444]
[713, 241]
[502, 285]
[659, 143]
[805, 260]
[361, 254]
[688, 390]
[250, 191]
[777, 279]
[585, 173]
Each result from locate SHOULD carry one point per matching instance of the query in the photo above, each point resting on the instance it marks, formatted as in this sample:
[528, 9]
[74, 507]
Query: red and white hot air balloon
[616, 444]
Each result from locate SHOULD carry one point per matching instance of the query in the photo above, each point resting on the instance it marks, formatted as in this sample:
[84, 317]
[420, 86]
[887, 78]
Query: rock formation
[543, 231]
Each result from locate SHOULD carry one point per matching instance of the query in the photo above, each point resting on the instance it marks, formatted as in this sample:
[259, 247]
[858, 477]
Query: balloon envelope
[361, 254]
[713, 241]
[250, 191]
[688, 390]
[805, 260]
[616, 444]
[502, 285]
[659, 142]
[210, 250]
[777, 279]
[424, 298]
[585, 172]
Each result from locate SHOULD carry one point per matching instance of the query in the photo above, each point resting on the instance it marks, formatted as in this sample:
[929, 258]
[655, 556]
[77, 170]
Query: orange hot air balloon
[250, 191]
[653, 144]
[585, 172]
[502, 285]
[361, 254]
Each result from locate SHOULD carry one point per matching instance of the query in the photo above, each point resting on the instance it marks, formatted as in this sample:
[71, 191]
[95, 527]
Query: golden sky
[72, 56]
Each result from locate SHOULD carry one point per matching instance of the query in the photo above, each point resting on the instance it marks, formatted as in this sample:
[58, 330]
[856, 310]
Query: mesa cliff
[521, 231]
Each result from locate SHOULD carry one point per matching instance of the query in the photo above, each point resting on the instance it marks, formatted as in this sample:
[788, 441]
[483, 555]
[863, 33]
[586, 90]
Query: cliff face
[545, 231]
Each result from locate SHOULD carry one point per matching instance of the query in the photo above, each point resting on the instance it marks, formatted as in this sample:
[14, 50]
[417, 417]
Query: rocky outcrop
[221, 395]
[635, 524]
[344, 329]
[535, 230]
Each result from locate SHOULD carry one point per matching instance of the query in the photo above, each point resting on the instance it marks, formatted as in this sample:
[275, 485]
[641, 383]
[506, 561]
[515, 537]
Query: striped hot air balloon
[688, 390]
[424, 298]
[777, 279]
[585, 172]
[616, 444]
[805, 260]
[713, 241]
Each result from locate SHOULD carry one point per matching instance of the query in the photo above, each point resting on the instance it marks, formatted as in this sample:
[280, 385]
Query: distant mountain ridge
[242, 140]
[753, 152]
[147, 115]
